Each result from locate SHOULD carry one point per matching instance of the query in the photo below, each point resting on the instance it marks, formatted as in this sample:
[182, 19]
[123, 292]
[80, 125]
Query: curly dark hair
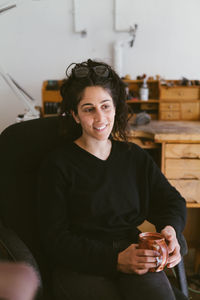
[73, 88]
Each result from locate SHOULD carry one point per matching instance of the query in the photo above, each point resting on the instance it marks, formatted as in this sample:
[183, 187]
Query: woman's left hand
[173, 246]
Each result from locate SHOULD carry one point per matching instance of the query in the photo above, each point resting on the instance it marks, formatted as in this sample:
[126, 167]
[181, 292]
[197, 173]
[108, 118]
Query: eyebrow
[85, 104]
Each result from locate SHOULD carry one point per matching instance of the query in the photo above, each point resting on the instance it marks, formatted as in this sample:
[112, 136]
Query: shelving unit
[172, 103]
[51, 99]
[150, 106]
[179, 102]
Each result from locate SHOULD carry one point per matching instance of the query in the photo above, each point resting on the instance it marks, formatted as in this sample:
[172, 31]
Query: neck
[100, 149]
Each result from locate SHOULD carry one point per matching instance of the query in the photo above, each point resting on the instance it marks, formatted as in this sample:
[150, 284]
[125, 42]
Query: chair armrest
[181, 277]
[180, 268]
[183, 244]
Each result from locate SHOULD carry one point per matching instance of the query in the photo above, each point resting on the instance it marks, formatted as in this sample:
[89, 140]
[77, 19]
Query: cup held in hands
[155, 241]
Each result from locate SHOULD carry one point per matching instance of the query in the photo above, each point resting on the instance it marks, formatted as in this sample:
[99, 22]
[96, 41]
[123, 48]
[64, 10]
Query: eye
[106, 106]
[89, 109]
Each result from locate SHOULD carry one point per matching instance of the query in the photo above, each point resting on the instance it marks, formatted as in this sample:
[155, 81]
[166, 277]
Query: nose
[99, 115]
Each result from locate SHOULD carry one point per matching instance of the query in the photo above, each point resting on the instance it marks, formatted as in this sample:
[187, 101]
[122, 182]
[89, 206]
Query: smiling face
[95, 113]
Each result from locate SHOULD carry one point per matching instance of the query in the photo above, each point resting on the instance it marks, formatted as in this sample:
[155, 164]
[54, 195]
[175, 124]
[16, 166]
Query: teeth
[100, 128]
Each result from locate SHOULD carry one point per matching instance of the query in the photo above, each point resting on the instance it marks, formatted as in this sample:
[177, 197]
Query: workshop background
[40, 38]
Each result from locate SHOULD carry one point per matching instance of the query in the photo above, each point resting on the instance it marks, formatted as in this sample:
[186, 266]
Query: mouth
[100, 128]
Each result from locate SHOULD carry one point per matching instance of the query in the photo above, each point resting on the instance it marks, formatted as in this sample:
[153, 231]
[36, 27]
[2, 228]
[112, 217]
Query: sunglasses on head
[85, 71]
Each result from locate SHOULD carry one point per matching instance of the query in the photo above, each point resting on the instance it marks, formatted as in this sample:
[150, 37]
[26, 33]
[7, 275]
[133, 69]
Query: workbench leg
[197, 260]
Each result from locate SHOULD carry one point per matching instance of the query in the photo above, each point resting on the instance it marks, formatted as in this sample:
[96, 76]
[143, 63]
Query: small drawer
[169, 115]
[182, 151]
[179, 93]
[182, 168]
[167, 106]
[190, 111]
[189, 189]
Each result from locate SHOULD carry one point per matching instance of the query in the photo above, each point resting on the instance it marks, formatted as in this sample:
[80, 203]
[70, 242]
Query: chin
[103, 137]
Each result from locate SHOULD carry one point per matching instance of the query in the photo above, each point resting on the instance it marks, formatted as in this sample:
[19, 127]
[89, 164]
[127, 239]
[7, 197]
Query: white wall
[37, 41]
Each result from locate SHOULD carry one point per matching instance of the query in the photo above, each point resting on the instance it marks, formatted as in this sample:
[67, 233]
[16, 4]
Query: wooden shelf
[150, 106]
[140, 81]
[50, 99]
[142, 101]
[193, 205]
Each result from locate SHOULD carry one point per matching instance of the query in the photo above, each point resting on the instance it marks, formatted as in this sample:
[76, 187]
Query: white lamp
[22, 95]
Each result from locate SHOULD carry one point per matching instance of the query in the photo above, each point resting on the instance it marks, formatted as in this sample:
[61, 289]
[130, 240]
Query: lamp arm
[7, 8]
[19, 93]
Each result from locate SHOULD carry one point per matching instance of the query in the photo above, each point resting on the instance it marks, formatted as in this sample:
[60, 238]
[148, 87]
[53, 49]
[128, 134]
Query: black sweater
[85, 203]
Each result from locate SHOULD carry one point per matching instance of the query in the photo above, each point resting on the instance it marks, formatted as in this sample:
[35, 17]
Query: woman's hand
[173, 246]
[134, 260]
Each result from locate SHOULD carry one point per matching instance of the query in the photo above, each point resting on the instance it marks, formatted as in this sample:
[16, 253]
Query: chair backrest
[23, 146]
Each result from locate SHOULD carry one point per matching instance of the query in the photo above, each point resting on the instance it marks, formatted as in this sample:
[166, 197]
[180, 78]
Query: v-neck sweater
[86, 203]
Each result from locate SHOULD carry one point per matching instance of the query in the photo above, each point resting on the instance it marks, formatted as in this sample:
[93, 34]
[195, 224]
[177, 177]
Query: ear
[75, 116]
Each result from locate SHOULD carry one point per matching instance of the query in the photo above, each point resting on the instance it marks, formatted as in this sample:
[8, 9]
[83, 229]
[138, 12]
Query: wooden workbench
[180, 153]
[169, 131]
[179, 142]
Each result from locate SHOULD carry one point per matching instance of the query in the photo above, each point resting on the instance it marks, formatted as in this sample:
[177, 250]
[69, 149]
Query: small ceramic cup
[155, 241]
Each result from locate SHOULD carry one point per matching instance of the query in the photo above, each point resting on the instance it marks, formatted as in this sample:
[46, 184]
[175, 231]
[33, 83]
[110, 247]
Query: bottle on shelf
[144, 90]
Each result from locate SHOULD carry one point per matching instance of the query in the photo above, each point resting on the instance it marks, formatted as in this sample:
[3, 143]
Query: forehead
[95, 94]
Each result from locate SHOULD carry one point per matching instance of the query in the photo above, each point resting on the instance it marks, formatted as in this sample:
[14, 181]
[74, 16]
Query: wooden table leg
[197, 260]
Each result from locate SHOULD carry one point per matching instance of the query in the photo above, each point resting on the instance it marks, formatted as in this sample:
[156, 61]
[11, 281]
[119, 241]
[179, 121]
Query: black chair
[22, 148]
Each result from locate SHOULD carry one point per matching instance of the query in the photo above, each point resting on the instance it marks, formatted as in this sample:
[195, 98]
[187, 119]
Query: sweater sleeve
[61, 245]
[166, 205]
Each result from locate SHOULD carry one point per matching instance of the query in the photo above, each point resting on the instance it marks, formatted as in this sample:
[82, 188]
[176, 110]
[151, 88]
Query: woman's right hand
[134, 260]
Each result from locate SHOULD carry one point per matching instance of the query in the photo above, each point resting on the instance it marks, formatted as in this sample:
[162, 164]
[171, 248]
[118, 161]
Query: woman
[95, 191]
